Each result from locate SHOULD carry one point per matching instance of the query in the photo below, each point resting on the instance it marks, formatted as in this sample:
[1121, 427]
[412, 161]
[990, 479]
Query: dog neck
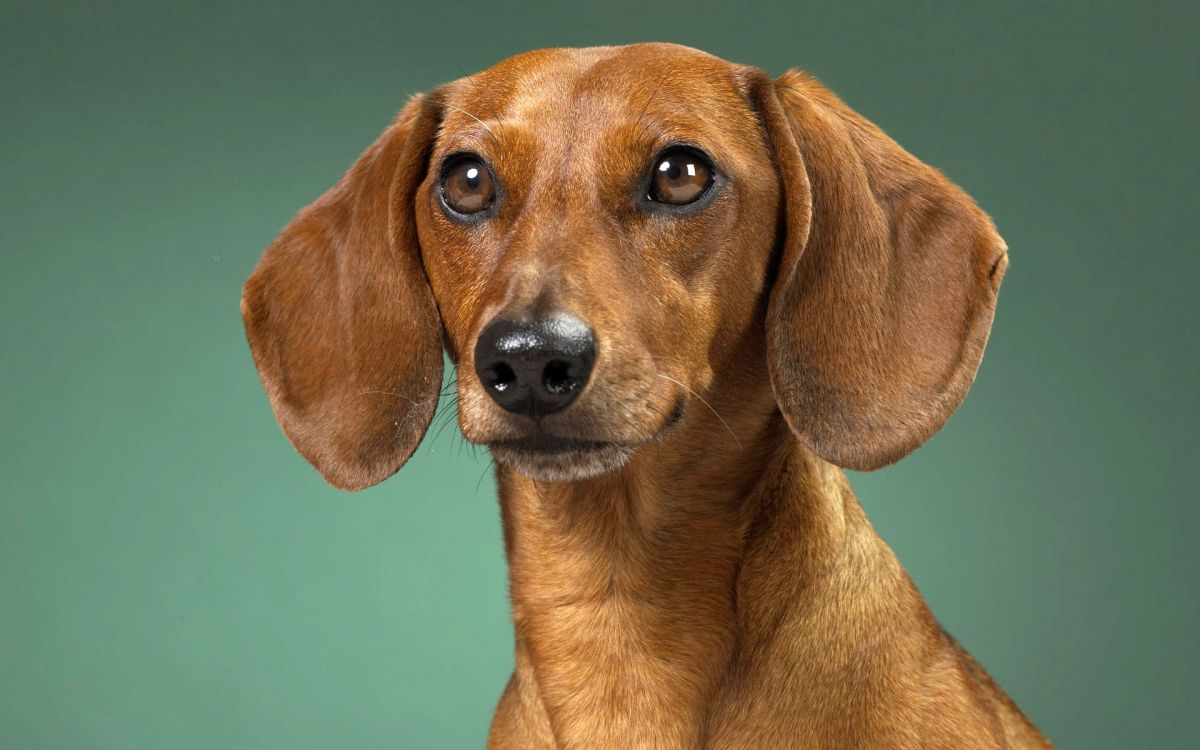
[633, 592]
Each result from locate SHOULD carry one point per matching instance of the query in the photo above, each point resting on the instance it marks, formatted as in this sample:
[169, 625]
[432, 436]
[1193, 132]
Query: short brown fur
[706, 578]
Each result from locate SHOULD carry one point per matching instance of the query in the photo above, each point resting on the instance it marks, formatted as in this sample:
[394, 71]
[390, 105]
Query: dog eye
[467, 186]
[680, 177]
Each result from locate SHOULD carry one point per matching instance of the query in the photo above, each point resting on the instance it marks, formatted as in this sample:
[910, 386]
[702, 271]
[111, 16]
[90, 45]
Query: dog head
[594, 236]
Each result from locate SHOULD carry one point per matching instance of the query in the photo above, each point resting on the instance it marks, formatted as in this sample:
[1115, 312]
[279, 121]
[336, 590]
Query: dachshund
[679, 297]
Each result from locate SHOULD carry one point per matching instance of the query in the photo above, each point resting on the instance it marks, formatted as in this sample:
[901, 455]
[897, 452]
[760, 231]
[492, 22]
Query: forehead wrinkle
[506, 145]
[561, 88]
[524, 103]
[530, 83]
[549, 107]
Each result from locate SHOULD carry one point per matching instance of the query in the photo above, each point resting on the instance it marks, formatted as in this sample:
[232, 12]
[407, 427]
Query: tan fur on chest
[628, 631]
[804, 633]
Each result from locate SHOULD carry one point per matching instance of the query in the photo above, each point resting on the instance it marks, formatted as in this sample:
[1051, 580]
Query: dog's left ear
[341, 319]
[886, 285]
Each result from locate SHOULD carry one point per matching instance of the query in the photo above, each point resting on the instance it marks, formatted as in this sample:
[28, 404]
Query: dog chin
[562, 464]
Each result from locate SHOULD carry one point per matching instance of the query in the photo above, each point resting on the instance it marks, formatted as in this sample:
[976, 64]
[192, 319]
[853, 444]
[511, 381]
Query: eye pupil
[467, 186]
[681, 177]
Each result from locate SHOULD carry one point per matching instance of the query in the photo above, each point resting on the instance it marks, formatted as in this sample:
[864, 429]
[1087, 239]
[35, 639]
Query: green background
[173, 575]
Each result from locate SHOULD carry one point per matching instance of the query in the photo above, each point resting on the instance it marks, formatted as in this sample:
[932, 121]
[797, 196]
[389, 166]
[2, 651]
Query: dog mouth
[543, 444]
[558, 459]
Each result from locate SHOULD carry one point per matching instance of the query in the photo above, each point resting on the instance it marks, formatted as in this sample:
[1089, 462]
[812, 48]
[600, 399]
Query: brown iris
[680, 177]
[467, 186]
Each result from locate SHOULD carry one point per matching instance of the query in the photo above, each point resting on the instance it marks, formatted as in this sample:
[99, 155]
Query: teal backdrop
[173, 575]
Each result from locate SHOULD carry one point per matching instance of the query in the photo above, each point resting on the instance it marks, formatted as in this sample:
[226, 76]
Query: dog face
[594, 236]
[623, 198]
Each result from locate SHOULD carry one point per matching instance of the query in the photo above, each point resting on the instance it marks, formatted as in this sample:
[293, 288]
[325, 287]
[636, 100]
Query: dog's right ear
[341, 319]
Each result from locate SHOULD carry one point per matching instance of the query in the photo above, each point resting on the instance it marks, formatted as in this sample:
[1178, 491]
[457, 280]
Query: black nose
[535, 367]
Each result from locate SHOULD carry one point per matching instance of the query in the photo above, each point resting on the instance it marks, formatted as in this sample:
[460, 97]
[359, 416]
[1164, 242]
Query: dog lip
[546, 444]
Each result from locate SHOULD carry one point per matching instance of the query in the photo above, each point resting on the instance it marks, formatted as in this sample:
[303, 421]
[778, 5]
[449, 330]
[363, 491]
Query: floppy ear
[886, 286]
[341, 320]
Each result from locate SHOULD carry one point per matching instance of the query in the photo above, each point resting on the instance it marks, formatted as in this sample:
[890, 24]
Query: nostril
[499, 376]
[557, 378]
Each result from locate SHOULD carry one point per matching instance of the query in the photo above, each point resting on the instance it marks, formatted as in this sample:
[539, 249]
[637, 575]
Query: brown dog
[678, 296]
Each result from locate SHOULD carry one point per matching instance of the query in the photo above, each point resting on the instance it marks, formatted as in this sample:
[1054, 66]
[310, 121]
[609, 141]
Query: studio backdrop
[174, 575]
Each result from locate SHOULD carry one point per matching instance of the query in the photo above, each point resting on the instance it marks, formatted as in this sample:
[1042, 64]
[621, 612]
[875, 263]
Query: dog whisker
[443, 419]
[710, 407]
[409, 399]
[646, 106]
[486, 469]
[486, 127]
